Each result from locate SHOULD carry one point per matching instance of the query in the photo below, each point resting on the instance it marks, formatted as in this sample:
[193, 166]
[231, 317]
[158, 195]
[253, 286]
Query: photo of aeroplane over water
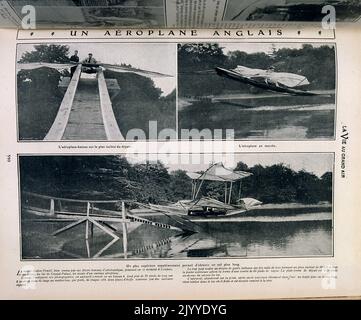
[283, 91]
[113, 207]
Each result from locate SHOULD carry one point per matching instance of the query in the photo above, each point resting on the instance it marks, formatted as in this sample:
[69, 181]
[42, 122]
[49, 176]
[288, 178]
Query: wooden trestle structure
[93, 216]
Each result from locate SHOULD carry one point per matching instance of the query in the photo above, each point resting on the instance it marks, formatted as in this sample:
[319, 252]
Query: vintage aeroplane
[86, 111]
[207, 207]
[283, 82]
[90, 68]
[267, 87]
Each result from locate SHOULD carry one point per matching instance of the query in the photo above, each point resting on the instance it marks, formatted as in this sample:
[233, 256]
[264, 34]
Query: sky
[148, 56]
[317, 163]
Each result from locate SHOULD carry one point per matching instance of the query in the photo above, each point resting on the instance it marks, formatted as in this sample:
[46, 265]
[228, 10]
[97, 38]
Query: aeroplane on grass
[91, 68]
[268, 79]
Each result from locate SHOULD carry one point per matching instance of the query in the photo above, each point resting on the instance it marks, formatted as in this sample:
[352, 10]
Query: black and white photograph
[135, 17]
[96, 91]
[290, 10]
[265, 91]
[176, 206]
[89, 3]
[104, 13]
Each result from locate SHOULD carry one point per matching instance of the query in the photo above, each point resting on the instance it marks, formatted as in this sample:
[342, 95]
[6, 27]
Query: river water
[282, 237]
[296, 122]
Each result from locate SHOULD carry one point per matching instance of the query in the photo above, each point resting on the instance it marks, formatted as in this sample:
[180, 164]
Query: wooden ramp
[86, 112]
[85, 120]
[75, 212]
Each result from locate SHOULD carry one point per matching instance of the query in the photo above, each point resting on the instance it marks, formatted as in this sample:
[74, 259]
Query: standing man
[74, 58]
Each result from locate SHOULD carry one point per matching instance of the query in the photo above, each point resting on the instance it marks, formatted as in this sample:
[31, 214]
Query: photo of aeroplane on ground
[260, 90]
[65, 97]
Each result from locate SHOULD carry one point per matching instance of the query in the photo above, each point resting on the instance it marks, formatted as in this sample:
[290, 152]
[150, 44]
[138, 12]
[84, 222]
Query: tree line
[114, 177]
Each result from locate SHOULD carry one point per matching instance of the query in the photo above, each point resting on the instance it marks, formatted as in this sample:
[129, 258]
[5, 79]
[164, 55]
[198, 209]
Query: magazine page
[49, 14]
[180, 163]
[8, 16]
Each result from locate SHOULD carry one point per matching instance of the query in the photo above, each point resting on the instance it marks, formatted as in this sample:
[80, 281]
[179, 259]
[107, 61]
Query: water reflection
[214, 239]
[266, 122]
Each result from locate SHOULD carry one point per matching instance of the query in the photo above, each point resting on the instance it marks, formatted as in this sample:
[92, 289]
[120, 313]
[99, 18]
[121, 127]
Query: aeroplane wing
[111, 67]
[145, 73]
[37, 65]
[250, 72]
[290, 80]
[283, 82]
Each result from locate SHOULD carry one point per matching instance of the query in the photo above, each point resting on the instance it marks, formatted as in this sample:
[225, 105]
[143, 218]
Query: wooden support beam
[199, 188]
[87, 247]
[91, 225]
[69, 226]
[104, 228]
[92, 230]
[125, 231]
[36, 195]
[60, 205]
[108, 225]
[230, 193]
[87, 221]
[50, 220]
[52, 207]
[61, 120]
[240, 190]
[110, 123]
[100, 252]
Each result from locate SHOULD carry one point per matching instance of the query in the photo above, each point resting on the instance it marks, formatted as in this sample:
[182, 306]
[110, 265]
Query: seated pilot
[269, 79]
[89, 61]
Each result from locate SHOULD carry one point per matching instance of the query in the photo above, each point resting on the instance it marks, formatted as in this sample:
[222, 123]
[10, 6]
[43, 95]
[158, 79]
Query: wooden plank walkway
[110, 123]
[86, 112]
[56, 131]
[85, 120]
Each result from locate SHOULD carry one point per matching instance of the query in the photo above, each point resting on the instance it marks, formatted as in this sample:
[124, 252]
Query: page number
[8, 158]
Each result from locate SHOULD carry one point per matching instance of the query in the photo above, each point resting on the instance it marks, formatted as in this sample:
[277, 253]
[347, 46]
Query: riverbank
[270, 209]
